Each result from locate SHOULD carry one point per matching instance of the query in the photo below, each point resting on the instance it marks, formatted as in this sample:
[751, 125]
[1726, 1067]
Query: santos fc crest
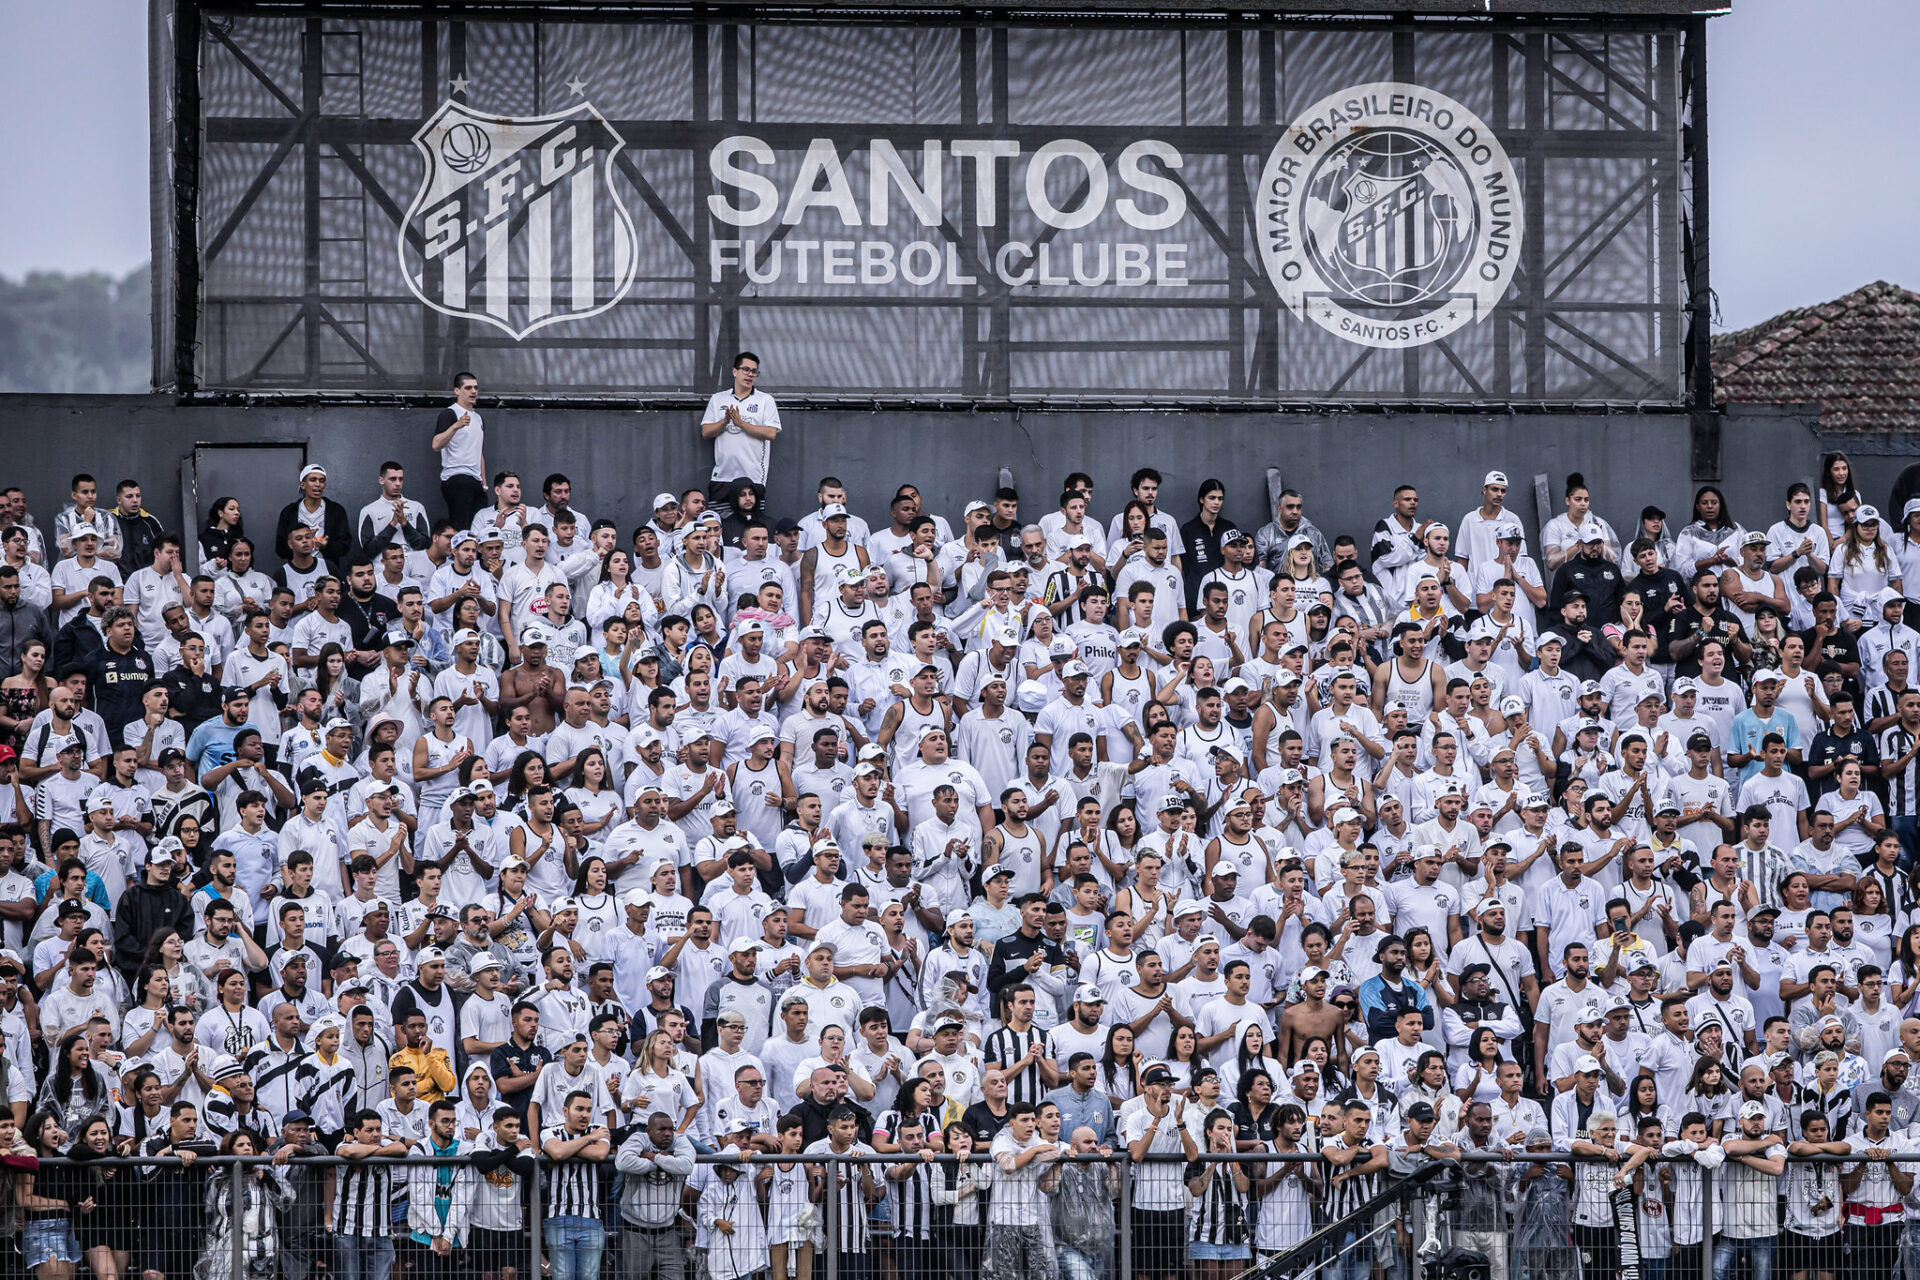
[1390, 215]
[517, 223]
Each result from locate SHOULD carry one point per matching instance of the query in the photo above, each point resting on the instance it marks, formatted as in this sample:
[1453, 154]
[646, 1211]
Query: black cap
[1699, 742]
[1419, 1111]
[1157, 1074]
[235, 692]
[786, 525]
[170, 755]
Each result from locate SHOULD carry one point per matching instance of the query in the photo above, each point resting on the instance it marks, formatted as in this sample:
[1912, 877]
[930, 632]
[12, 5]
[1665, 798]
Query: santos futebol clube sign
[1387, 214]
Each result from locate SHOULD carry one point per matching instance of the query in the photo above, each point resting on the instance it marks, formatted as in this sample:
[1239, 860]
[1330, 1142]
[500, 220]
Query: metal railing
[166, 1198]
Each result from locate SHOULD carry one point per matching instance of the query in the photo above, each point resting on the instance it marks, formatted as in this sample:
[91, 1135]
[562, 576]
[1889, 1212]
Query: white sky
[1814, 186]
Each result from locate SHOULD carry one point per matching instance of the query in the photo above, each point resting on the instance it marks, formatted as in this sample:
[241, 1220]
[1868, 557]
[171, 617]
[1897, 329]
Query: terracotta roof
[1858, 357]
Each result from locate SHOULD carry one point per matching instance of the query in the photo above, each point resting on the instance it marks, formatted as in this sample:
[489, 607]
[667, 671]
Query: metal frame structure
[348, 212]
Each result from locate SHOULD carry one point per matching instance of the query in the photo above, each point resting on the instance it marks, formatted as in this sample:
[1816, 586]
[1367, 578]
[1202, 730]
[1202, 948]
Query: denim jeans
[1355, 1257]
[1075, 1265]
[363, 1257]
[574, 1245]
[1758, 1251]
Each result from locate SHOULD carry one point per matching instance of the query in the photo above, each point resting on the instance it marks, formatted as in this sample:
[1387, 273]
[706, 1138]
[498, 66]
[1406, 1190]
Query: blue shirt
[1094, 1110]
[1747, 731]
[212, 744]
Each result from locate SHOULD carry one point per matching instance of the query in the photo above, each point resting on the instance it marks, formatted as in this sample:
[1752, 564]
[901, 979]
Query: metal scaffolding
[291, 177]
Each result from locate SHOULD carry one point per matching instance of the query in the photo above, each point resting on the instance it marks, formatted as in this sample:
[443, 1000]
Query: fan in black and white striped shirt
[1898, 752]
[1355, 1178]
[574, 1151]
[1018, 1047]
[362, 1193]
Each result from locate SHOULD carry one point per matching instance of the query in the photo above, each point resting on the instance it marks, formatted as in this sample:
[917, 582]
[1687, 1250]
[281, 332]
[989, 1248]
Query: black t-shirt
[1840, 647]
[511, 1060]
[117, 683]
[1827, 747]
[983, 1124]
[1722, 624]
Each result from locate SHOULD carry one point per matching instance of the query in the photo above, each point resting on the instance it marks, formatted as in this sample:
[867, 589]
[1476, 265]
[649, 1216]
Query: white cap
[482, 963]
[1131, 637]
[1087, 993]
[749, 627]
[1866, 515]
[1225, 868]
[1074, 669]
[1187, 907]
[1753, 1109]
[852, 575]
[1511, 705]
[465, 635]
[744, 945]
[430, 955]
[1767, 673]
[533, 633]
[1343, 814]
[1060, 647]
[312, 469]
[1494, 477]
[664, 500]
[1005, 636]
[833, 509]
[1587, 1065]
[84, 529]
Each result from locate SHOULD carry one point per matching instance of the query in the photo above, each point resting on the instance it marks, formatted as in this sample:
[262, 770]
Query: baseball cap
[1420, 1111]
[743, 945]
[482, 963]
[533, 633]
[1588, 1014]
[1867, 515]
[313, 469]
[397, 638]
[1225, 868]
[1087, 993]
[1754, 1109]
[1587, 1065]
[1074, 669]
[1494, 477]
[833, 509]
[430, 955]
[465, 635]
[1156, 1074]
[658, 972]
[1234, 535]
[1512, 706]
[1187, 907]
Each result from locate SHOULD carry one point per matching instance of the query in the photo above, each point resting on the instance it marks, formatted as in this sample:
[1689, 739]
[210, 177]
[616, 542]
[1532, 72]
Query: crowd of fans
[571, 849]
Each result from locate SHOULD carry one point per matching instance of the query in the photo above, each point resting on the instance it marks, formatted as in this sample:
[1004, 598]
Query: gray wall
[1347, 464]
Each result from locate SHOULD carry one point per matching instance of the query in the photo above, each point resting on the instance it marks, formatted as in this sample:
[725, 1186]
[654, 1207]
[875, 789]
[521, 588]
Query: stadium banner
[942, 213]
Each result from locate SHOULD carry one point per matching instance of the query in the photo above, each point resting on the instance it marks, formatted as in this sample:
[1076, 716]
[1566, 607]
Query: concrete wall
[1347, 464]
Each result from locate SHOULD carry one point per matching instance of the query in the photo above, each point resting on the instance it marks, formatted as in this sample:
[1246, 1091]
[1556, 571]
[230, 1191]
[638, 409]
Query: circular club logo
[1389, 214]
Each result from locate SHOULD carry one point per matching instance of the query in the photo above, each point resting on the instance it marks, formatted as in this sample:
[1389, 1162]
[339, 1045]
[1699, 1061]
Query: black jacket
[19, 624]
[145, 910]
[1010, 958]
[193, 699]
[139, 535]
[339, 530]
[368, 620]
[75, 644]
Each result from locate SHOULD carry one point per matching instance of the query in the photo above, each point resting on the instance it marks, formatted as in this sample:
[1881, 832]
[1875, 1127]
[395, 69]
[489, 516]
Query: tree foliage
[75, 333]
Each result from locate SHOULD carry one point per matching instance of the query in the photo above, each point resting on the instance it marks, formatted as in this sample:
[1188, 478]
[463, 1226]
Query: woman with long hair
[231, 1025]
[1220, 1241]
[1863, 566]
[529, 769]
[339, 692]
[618, 594]
[599, 914]
[1711, 540]
[655, 1084]
[1858, 816]
[1475, 1080]
[106, 1231]
[1119, 1076]
[1837, 495]
[1251, 1052]
[50, 1196]
[140, 1024]
[1643, 1101]
[265, 1195]
[1903, 975]
[1333, 1080]
[76, 1085]
[1183, 1054]
[166, 951]
[1874, 924]
[961, 1189]
[911, 1103]
[25, 693]
[143, 1111]
[1709, 1093]
[219, 533]
[590, 786]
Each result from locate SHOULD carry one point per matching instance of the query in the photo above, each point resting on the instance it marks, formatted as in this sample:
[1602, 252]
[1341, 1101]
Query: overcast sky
[1814, 189]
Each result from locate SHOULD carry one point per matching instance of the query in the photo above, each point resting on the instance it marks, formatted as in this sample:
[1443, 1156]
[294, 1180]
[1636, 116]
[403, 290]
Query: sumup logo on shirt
[1390, 215]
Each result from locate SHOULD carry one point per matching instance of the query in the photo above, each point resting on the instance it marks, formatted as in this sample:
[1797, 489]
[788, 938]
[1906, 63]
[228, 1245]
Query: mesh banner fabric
[943, 212]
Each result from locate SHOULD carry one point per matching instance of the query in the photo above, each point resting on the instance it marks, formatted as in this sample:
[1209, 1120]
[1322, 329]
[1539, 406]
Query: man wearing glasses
[747, 1119]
